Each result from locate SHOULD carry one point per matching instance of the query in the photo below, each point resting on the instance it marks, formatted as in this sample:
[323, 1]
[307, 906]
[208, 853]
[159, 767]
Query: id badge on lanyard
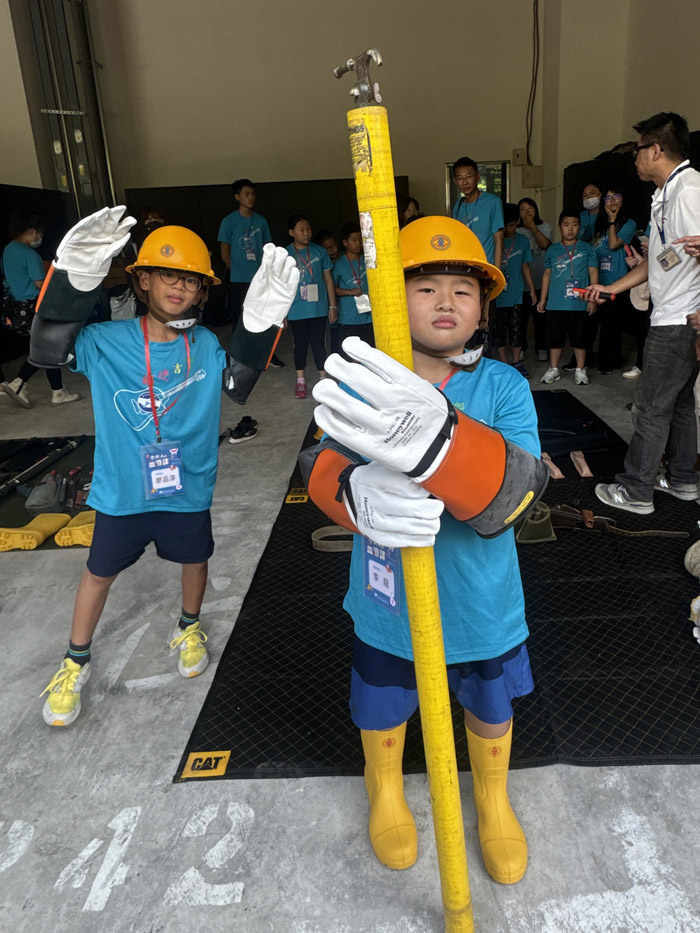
[382, 575]
[161, 463]
[161, 469]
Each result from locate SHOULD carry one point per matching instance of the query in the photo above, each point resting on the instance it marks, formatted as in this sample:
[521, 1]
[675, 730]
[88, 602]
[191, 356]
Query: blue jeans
[665, 412]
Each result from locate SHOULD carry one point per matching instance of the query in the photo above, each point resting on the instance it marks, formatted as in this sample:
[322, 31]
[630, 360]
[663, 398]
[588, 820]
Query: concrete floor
[95, 836]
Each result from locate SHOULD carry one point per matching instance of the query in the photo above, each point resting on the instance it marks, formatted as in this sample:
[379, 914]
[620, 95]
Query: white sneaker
[62, 397]
[633, 373]
[615, 495]
[542, 356]
[688, 492]
[18, 395]
[551, 376]
[581, 377]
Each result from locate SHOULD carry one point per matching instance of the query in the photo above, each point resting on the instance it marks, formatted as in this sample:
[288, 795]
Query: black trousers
[309, 331]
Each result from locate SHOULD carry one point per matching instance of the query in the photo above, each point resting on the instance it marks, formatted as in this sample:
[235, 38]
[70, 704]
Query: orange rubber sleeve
[471, 474]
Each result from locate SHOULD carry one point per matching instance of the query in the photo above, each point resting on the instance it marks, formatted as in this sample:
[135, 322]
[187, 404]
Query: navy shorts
[119, 540]
[383, 690]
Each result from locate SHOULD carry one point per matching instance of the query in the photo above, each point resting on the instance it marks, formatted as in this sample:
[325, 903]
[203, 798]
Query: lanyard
[572, 256]
[446, 380]
[506, 255]
[308, 263]
[463, 204]
[357, 276]
[149, 377]
[662, 233]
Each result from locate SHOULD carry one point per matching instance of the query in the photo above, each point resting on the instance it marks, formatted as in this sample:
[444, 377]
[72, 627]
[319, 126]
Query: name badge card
[309, 292]
[362, 304]
[161, 469]
[669, 258]
[382, 575]
[571, 285]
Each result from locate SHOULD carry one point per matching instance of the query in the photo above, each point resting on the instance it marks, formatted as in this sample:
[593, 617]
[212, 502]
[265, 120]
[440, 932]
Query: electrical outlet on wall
[520, 157]
[533, 177]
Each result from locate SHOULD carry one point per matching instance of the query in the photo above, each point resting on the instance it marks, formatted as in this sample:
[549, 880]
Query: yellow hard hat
[175, 248]
[444, 245]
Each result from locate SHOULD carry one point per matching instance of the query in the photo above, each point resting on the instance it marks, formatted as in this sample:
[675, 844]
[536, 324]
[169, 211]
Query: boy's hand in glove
[390, 508]
[87, 250]
[272, 290]
[406, 423]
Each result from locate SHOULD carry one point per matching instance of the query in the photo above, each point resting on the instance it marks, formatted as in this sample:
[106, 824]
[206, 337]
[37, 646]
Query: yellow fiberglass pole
[376, 196]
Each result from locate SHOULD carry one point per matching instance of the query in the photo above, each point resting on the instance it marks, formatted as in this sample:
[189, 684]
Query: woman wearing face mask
[24, 274]
[591, 209]
[613, 232]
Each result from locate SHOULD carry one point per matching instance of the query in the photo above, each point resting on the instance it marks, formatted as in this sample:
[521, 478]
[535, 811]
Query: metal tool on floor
[370, 148]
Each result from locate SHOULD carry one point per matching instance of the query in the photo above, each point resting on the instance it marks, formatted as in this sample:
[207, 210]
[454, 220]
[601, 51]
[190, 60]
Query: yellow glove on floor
[34, 534]
[79, 530]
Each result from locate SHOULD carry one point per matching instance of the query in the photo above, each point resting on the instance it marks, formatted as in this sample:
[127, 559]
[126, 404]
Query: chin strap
[468, 358]
[183, 323]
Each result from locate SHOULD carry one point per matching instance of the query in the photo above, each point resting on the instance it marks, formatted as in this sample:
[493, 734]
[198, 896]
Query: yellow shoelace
[198, 636]
[62, 678]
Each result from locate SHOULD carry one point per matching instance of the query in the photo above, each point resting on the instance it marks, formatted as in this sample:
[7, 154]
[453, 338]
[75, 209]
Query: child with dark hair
[515, 264]
[569, 265]
[314, 303]
[350, 279]
[23, 278]
[328, 240]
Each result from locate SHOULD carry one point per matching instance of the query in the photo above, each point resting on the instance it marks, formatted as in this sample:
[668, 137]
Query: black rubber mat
[616, 668]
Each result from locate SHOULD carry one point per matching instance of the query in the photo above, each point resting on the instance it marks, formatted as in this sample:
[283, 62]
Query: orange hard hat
[444, 245]
[175, 248]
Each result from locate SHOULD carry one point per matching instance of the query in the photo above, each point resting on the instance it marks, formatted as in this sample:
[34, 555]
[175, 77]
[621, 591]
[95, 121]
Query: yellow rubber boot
[79, 530]
[392, 829]
[33, 534]
[503, 843]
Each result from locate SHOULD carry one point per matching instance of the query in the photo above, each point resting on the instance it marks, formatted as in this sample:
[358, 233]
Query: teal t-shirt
[587, 225]
[611, 262]
[246, 236]
[22, 266]
[312, 262]
[484, 217]
[351, 273]
[569, 267]
[112, 356]
[479, 586]
[516, 251]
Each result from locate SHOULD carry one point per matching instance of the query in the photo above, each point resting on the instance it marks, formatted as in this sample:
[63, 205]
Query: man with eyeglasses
[665, 412]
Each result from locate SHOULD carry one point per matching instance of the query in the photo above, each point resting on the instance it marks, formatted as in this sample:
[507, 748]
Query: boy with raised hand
[569, 267]
[156, 389]
[447, 456]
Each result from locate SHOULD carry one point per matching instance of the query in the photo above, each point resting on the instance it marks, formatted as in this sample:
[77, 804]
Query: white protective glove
[391, 509]
[87, 250]
[272, 290]
[404, 416]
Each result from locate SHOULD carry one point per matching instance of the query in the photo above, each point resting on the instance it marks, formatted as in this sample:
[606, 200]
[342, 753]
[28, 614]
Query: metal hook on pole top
[364, 90]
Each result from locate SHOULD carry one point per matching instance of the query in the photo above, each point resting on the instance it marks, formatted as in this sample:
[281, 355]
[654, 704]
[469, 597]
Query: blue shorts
[119, 540]
[383, 690]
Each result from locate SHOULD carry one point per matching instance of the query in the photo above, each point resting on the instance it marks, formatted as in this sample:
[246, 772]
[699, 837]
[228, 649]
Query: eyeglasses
[638, 149]
[171, 277]
[612, 197]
